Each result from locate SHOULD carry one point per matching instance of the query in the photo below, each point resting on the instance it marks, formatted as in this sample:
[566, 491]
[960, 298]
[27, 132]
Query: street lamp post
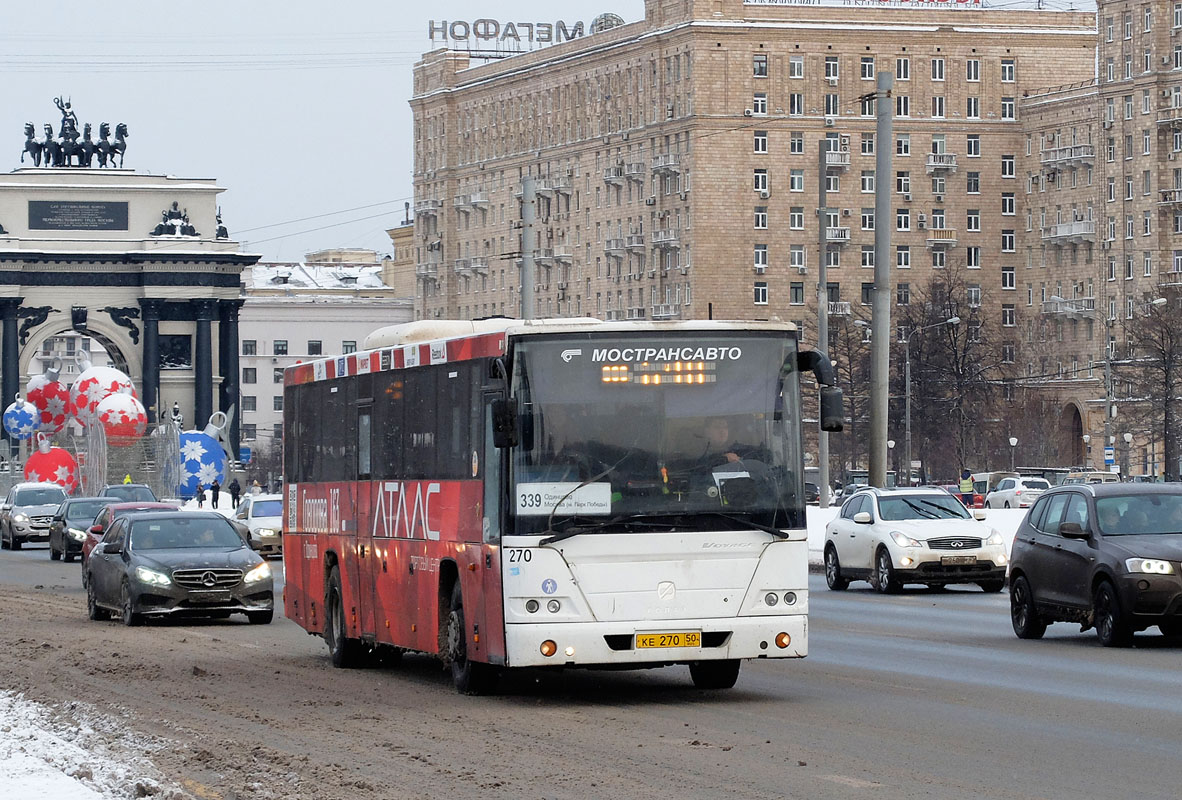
[907, 389]
[1086, 460]
[1013, 447]
[1124, 456]
[891, 459]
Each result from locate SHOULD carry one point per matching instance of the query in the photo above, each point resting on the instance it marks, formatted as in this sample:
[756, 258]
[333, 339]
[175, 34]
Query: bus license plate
[955, 560]
[677, 639]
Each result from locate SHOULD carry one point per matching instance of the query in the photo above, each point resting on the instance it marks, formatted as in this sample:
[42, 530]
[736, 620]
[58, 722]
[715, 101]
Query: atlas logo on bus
[404, 510]
[618, 354]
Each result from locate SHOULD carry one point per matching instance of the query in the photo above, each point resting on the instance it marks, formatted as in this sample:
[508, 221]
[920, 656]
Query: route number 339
[529, 500]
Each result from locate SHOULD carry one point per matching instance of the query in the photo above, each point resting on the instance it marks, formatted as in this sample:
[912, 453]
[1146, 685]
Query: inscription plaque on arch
[77, 215]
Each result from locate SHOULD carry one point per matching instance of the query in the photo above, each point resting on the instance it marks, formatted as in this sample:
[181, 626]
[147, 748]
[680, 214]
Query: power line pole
[822, 307]
[529, 213]
[880, 353]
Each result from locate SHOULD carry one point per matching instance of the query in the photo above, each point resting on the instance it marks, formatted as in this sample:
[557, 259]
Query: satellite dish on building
[606, 22]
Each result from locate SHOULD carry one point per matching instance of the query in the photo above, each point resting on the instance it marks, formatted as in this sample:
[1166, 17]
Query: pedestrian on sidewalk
[200, 495]
[215, 489]
[235, 490]
[255, 488]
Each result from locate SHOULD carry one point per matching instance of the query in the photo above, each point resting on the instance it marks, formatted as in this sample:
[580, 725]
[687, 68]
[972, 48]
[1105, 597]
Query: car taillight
[1018, 493]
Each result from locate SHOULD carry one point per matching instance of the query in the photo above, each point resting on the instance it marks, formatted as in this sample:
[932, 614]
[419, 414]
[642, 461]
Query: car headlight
[1153, 566]
[903, 540]
[266, 532]
[76, 534]
[152, 577]
[20, 518]
[994, 538]
[259, 573]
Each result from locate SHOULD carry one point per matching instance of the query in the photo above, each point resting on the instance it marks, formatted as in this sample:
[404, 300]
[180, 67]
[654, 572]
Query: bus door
[492, 610]
[369, 550]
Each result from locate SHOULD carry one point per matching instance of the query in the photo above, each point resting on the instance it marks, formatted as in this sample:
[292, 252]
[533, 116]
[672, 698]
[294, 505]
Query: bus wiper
[588, 482]
[779, 534]
[637, 520]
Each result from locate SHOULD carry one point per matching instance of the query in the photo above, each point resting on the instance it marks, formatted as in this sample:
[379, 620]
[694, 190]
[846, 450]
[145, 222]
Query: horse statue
[51, 150]
[103, 147]
[120, 144]
[86, 148]
[32, 146]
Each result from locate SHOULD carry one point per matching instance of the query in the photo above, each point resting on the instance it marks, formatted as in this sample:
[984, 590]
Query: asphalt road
[923, 694]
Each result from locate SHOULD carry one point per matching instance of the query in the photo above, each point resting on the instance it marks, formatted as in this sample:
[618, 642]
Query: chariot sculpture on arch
[73, 145]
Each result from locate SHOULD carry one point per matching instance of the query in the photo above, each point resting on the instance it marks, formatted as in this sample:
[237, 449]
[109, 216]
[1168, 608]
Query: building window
[868, 143]
[796, 293]
[280, 347]
[1008, 70]
[349, 346]
[249, 431]
[903, 144]
[973, 219]
[760, 180]
[760, 141]
[796, 104]
[902, 106]
[867, 68]
[1007, 241]
[249, 375]
[760, 255]
[760, 218]
[973, 182]
[973, 107]
[902, 69]
[867, 293]
[867, 181]
[796, 218]
[761, 293]
[902, 294]
[937, 69]
[903, 182]
[315, 348]
[796, 143]
[249, 347]
[249, 402]
[903, 257]
[277, 375]
[796, 256]
[1007, 203]
[1007, 354]
[832, 67]
[1007, 167]
[1008, 278]
[973, 145]
[868, 255]
[759, 66]
[867, 219]
[902, 219]
[867, 105]
[972, 257]
[938, 106]
[973, 70]
[759, 104]
[1007, 315]
[1008, 108]
[973, 295]
[796, 180]
[832, 105]
[795, 66]
[277, 403]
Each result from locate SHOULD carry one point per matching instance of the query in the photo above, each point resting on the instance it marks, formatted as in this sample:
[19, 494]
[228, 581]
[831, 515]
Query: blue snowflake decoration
[22, 419]
[202, 460]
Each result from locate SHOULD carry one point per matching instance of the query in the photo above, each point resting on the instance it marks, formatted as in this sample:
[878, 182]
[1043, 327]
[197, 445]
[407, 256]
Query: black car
[812, 493]
[1105, 555]
[130, 492]
[67, 529]
[180, 563]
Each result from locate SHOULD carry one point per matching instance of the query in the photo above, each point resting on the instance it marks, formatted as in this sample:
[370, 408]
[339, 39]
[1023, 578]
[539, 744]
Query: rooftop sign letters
[493, 33]
[974, 4]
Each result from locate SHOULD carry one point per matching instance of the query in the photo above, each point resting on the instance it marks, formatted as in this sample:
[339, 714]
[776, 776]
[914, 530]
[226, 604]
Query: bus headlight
[531, 606]
[771, 599]
[553, 606]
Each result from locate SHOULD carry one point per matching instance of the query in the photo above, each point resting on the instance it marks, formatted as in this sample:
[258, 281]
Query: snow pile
[55, 760]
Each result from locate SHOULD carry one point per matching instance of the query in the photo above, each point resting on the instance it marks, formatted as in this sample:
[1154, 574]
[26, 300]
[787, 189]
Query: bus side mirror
[504, 422]
[832, 411]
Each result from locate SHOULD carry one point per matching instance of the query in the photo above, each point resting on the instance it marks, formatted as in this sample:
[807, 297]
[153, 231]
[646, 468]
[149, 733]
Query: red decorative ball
[95, 385]
[52, 399]
[123, 418]
[53, 466]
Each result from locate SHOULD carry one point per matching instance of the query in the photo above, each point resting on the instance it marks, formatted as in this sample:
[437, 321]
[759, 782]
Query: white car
[262, 516]
[1016, 492]
[890, 537]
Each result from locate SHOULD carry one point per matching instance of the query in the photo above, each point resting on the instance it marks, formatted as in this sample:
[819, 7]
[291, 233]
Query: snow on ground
[1004, 520]
[57, 759]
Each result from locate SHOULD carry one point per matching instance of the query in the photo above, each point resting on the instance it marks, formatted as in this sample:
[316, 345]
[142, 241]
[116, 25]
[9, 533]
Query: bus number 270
[519, 556]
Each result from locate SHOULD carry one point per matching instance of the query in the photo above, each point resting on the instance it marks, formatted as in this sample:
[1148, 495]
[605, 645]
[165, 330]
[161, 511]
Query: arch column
[10, 369]
[203, 362]
[150, 313]
[228, 348]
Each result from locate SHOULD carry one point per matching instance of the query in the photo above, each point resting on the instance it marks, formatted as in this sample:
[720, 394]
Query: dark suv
[1105, 555]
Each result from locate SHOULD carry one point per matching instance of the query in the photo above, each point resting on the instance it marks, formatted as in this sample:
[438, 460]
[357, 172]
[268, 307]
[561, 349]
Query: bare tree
[849, 349]
[1153, 369]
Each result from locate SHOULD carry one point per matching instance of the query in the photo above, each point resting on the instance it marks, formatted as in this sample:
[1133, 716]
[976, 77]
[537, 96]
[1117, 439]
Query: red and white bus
[508, 493]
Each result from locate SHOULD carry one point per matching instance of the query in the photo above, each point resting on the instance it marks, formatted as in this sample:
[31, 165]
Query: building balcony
[635, 171]
[552, 185]
[635, 241]
[666, 311]
[669, 239]
[837, 235]
[941, 162]
[1171, 196]
[467, 202]
[941, 237]
[614, 174]
[428, 269]
[667, 162]
[1070, 156]
[1169, 116]
[468, 266]
[839, 308]
[428, 207]
[1170, 280]
[544, 256]
[837, 159]
[563, 253]
[1076, 308]
[614, 247]
[1081, 230]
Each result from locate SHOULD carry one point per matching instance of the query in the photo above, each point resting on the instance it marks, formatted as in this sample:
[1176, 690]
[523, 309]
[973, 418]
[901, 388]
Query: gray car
[27, 512]
[183, 563]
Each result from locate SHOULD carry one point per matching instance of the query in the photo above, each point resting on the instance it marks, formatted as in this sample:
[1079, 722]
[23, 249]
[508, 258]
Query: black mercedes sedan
[182, 563]
[67, 529]
[1105, 555]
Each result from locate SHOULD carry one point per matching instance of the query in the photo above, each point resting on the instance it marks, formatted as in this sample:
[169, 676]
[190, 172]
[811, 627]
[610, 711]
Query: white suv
[898, 536]
[1016, 492]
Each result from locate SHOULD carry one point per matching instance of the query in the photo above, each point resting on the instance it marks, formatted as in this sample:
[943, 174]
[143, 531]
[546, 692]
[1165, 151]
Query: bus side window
[387, 425]
[363, 443]
[491, 466]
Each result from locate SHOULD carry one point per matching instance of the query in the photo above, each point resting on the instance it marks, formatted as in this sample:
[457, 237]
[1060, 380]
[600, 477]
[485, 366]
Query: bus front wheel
[469, 677]
[346, 653]
[715, 674]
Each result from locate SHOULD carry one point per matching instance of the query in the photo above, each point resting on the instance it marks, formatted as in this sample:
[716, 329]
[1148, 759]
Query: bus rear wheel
[346, 653]
[469, 677]
[715, 674]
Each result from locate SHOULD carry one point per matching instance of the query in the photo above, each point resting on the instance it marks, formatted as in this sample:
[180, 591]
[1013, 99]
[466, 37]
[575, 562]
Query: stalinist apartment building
[677, 159]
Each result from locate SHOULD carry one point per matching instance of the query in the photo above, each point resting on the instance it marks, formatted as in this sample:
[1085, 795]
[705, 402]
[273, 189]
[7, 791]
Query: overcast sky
[299, 108]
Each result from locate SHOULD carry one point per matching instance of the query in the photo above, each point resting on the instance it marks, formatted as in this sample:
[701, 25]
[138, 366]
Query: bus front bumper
[616, 643]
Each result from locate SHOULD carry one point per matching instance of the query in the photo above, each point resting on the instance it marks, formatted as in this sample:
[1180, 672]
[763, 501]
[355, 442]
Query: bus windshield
[656, 431]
